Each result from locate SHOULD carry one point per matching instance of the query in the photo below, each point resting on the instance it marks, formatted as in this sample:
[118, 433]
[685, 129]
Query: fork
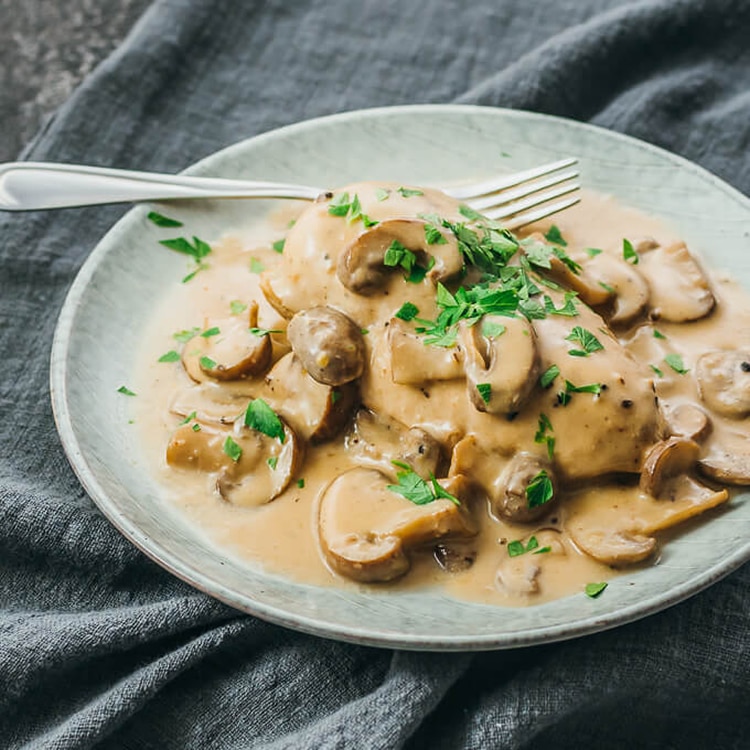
[517, 199]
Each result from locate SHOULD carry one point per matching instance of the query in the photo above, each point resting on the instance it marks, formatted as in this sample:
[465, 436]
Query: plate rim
[171, 562]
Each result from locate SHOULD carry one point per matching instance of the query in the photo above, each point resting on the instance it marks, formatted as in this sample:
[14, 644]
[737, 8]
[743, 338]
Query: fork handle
[29, 186]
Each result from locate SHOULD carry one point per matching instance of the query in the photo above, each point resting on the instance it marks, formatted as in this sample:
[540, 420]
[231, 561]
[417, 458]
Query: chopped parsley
[539, 490]
[125, 391]
[189, 418]
[231, 448]
[236, 307]
[209, 332]
[433, 235]
[491, 329]
[629, 253]
[184, 336]
[196, 270]
[207, 363]
[658, 334]
[592, 252]
[409, 192]
[588, 342]
[555, 235]
[278, 246]
[567, 309]
[676, 363]
[516, 547]
[256, 266]
[485, 391]
[272, 462]
[407, 311]
[657, 370]
[261, 417]
[594, 589]
[607, 287]
[563, 397]
[344, 206]
[197, 250]
[413, 487]
[382, 194]
[542, 434]
[399, 255]
[301, 483]
[548, 376]
[170, 356]
[162, 221]
[264, 331]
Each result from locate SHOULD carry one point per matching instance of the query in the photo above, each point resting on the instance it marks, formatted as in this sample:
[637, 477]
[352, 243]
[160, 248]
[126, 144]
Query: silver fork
[516, 199]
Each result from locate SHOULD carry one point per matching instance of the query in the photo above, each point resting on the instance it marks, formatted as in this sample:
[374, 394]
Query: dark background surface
[46, 48]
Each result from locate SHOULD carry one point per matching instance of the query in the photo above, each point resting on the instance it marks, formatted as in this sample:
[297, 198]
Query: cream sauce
[595, 434]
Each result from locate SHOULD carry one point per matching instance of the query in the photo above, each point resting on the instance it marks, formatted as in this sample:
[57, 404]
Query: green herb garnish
[231, 448]
[409, 192]
[261, 417]
[207, 363]
[555, 235]
[517, 547]
[676, 363]
[184, 336]
[485, 391]
[162, 221]
[592, 252]
[197, 250]
[209, 332]
[264, 331]
[189, 418]
[236, 307]
[588, 342]
[272, 462]
[256, 266]
[658, 334]
[407, 311]
[594, 589]
[170, 356]
[539, 490]
[629, 253]
[657, 370]
[433, 235]
[413, 487]
[125, 391]
[382, 194]
[548, 376]
[278, 246]
[542, 434]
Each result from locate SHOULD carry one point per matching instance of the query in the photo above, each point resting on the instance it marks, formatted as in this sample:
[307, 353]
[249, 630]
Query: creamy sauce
[598, 438]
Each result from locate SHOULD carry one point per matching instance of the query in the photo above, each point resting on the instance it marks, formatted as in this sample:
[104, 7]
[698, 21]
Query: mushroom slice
[679, 288]
[228, 349]
[329, 345]
[666, 459]
[631, 292]
[200, 450]
[362, 269]
[317, 412]
[613, 547]
[687, 421]
[517, 494]
[209, 403]
[366, 530]
[728, 464]
[501, 371]
[414, 363]
[376, 441]
[264, 468]
[265, 282]
[519, 575]
[724, 382]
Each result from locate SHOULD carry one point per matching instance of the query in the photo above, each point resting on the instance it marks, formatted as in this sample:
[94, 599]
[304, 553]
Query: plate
[123, 280]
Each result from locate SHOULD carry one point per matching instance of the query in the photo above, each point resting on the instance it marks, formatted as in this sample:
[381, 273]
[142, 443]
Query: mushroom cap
[412, 362]
[679, 289]
[724, 381]
[508, 496]
[317, 412]
[631, 292]
[365, 529]
[687, 420]
[613, 546]
[666, 459]
[726, 466]
[329, 345]
[501, 371]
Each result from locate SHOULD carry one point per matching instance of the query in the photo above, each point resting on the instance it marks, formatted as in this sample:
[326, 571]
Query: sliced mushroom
[687, 421]
[367, 530]
[455, 556]
[501, 371]
[329, 345]
[631, 292]
[209, 403]
[613, 547]
[679, 289]
[376, 441]
[228, 349]
[252, 469]
[509, 496]
[729, 464]
[317, 412]
[519, 575]
[724, 382]
[666, 459]
[361, 267]
[266, 282]
[264, 469]
[413, 362]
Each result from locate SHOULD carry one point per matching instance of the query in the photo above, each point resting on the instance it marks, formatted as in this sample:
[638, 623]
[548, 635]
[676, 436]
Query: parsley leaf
[197, 250]
[555, 235]
[382, 194]
[592, 252]
[232, 449]
[433, 235]
[261, 417]
[657, 370]
[586, 339]
[162, 221]
[209, 332]
[516, 547]
[594, 589]
[278, 246]
[491, 330]
[236, 307]
[539, 490]
[676, 363]
[407, 311]
[272, 461]
[658, 334]
[184, 336]
[409, 192]
[170, 356]
[546, 378]
[542, 436]
[399, 255]
[485, 391]
[256, 266]
[207, 363]
[263, 331]
[629, 253]
[413, 487]
[125, 391]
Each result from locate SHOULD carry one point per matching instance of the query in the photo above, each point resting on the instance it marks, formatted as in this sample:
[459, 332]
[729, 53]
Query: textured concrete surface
[46, 48]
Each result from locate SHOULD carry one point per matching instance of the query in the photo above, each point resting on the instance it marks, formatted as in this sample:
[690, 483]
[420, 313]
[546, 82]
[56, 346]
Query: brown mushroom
[631, 292]
[519, 575]
[724, 382]
[729, 462]
[513, 494]
[687, 421]
[250, 467]
[266, 282]
[667, 459]
[361, 266]
[366, 530]
[228, 349]
[209, 403]
[413, 362]
[376, 441]
[679, 289]
[613, 546]
[501, 371]
[328, 344]
[317, 412]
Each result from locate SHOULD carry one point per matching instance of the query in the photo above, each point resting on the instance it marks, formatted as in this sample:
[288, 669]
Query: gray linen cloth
[99, 646]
